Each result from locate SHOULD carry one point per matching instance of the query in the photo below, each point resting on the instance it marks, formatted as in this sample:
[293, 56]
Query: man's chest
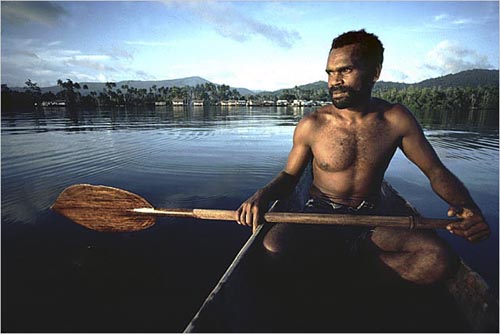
[337, 148]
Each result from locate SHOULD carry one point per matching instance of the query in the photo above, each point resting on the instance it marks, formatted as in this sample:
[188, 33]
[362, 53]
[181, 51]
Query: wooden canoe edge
[470, 291]
[474, 299]
[192, 327]
[212, 297]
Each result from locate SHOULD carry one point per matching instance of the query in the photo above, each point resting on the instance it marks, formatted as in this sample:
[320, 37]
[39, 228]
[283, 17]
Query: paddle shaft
[410, 222]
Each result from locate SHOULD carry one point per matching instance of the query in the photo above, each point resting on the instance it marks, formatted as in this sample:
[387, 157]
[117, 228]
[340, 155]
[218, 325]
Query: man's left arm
[416, 147]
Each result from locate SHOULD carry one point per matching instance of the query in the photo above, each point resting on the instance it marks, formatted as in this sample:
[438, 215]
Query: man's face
[349, 80]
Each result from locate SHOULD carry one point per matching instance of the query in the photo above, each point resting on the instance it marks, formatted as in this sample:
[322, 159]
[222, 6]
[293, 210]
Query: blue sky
[264, 45]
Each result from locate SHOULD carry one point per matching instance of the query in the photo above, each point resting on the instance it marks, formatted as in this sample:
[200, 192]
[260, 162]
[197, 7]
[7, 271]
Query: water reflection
[175, 157]
[57, 119]
[469, 145]
[452, 117]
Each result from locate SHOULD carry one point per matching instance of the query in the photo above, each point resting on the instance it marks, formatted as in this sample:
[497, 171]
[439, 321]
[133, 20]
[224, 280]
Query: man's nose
[334, 79]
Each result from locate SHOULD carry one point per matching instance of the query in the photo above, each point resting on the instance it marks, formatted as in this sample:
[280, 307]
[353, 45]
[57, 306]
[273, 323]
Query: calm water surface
[58, 276]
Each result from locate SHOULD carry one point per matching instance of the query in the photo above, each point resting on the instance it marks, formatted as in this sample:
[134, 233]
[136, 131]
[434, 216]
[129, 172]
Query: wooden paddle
[108, 209]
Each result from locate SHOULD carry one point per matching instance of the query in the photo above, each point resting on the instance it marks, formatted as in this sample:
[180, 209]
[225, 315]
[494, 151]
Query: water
[59, 276]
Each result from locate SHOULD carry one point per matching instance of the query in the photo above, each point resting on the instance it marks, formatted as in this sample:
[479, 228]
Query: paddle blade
[102, 208]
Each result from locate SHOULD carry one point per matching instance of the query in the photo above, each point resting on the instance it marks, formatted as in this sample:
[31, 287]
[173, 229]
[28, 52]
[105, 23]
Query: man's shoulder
[397, 116]
[312, 121]
[391, 111]
[315, 116]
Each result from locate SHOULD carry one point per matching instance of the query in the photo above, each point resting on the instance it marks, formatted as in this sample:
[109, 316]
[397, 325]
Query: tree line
[111, 95]
[447, 105]
[428, 102]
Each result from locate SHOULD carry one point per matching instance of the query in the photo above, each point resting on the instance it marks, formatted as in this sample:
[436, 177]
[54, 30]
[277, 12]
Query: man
[351, 144]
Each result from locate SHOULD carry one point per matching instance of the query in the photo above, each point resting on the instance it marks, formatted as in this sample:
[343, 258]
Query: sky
[259, 45]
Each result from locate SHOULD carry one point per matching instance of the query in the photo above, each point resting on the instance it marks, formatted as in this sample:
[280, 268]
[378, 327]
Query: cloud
[92, 62]
[24, 59]
[441, 17]
[150, 43]
[395, 75]
[25, 53]
[143, 75]
[444, 21]
[448, 57]
[118, 53]
[54, 43]
[229, 22]
[462, 21]
[32, 59]
[42, 12]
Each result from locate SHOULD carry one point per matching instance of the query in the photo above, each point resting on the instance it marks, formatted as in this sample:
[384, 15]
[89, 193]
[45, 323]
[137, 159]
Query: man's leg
[296, 240]
[420, 257]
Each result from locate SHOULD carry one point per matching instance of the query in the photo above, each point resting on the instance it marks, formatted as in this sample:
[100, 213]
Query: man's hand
[251, 212]
[472, 227]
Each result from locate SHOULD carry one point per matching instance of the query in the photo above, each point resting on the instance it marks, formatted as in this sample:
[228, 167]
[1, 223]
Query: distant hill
[389, 84]
[469, 78]
[99, 86]
[311, 86]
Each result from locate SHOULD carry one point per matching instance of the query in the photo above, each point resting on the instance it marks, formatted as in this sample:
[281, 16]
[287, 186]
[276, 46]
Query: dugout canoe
[256, 295]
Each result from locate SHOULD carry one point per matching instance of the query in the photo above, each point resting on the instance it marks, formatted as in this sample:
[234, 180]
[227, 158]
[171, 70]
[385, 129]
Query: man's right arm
[251, 211]
[415, 146]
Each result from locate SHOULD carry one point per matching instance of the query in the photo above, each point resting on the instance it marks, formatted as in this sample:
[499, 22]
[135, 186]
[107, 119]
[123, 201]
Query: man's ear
[378, 69]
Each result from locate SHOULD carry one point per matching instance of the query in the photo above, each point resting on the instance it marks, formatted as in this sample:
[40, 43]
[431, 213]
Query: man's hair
[370, 47]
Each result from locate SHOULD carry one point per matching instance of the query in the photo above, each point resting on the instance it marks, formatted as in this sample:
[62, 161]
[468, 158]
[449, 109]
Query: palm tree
[68, 91]
[33, 91]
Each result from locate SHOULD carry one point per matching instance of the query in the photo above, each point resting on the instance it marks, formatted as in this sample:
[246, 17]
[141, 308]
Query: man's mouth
[339, 90]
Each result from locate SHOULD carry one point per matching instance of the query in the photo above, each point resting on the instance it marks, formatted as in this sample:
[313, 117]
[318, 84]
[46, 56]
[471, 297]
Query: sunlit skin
[351, 144]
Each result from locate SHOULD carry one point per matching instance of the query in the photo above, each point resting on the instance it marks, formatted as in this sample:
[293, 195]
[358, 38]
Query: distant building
[198, 102]
[282, 103]
[304, 103]
[229, 103]
[254, 103]
[178, 102]
[160, 103]
[56, 103]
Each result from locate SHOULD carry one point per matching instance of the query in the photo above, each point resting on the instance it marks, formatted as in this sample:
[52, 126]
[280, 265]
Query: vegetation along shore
[470, 91]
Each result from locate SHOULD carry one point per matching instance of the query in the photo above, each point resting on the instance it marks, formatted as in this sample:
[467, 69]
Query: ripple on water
[462, 145]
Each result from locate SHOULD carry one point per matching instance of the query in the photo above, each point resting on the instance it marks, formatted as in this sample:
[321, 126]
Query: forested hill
[470, 97]
[100, 86]
[469, 78]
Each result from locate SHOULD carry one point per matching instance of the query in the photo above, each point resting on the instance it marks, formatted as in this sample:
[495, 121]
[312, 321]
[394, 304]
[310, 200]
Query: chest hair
[338, 147]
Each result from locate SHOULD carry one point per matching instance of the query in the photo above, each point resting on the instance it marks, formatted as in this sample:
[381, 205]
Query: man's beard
[352, 99]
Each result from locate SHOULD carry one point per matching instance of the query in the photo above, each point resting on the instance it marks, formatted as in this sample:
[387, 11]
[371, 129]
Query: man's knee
[434, 262]
[272, 246]
[442, 261]
[286, 244]
[280, 239]
[418, 256]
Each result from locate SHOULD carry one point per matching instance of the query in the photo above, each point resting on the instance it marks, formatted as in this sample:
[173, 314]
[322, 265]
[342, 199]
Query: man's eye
[347, 70]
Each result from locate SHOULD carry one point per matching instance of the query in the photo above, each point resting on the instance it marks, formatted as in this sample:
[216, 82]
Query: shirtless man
[351, 144]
